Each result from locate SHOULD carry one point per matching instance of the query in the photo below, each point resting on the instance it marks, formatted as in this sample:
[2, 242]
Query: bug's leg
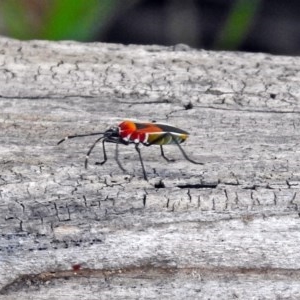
[117, 158]
[160, 138]
[141, 160]
[173, 138]
[91, 149]
[104, 155]
[163, 155]
[78, 135]
[183, 152]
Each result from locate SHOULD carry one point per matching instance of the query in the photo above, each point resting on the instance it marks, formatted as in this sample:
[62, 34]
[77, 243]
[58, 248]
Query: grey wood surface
[228, 229]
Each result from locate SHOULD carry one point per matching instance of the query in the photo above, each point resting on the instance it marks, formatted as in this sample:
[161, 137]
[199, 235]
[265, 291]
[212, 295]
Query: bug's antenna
[91, 149]
[78, 135]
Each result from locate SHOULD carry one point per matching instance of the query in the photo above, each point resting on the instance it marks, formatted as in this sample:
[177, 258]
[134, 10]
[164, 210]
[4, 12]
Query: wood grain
[227, 229]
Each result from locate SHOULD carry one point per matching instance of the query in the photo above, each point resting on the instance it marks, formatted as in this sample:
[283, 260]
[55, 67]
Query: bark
[227, 229]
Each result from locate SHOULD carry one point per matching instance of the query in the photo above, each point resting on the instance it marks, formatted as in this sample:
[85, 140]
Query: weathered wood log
[227, 229]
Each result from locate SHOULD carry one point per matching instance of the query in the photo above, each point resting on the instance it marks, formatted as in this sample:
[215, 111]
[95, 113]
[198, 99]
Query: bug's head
[112, 132]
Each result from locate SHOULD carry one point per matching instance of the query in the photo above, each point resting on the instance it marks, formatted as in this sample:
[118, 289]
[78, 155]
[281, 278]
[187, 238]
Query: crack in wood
[149, 271]
[198, 186]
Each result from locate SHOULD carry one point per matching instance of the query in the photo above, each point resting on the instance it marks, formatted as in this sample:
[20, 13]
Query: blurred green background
[246, 25]
[55, 19]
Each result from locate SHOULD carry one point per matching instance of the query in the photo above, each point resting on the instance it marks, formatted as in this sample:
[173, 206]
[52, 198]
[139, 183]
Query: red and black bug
[130, 132]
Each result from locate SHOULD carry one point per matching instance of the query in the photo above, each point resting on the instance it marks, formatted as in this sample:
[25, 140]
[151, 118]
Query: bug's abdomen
[165, 138]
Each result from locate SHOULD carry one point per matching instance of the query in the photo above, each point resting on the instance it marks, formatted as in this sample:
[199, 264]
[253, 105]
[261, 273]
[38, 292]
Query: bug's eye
[112, 129]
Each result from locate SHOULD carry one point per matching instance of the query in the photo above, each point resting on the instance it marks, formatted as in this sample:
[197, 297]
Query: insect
[131, 132]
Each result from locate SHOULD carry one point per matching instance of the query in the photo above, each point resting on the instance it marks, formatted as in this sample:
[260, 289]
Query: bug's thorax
[129, 133]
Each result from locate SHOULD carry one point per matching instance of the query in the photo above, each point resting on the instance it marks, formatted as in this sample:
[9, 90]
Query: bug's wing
[158, 127]
[160, 134]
